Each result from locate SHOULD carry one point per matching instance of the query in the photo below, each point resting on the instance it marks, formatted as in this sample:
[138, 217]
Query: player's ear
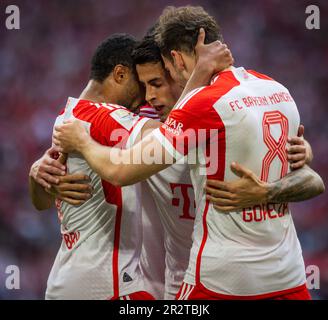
[120, 73]
[178, 60]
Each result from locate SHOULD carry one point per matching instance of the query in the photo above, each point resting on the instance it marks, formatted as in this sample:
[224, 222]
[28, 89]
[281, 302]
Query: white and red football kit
[102, 238]
[152, 258]
[246, 117]
[174, 198]
[168, 201]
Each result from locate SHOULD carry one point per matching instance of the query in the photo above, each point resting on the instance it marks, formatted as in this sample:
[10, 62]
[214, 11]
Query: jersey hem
[250, 297]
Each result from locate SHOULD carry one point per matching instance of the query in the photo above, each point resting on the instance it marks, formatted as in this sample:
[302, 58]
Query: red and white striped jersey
[102, 238]
[246, 117]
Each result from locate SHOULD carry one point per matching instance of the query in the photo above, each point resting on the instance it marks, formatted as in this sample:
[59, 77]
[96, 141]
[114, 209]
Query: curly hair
[117, 49]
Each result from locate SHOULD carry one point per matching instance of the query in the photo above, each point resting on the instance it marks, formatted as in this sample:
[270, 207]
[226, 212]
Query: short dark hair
[147, 50]
[116, 49]
[178, 29]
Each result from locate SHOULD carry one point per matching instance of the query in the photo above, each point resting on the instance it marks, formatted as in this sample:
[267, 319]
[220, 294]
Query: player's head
[113, 67]
[177, 34]
[161, 91]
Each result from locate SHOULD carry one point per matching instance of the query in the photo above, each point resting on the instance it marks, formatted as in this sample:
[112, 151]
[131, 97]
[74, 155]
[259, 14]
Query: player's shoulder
[269, 81]
[87, 110]
[207, 96]
[75, 106]
[240, 78]
[259, 75]
[84, 108]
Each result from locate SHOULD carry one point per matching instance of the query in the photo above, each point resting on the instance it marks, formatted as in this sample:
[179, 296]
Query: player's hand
[73, 189]
[299, 152]
[215, 56]
[43, 171]
[247, 191]
[71, 136]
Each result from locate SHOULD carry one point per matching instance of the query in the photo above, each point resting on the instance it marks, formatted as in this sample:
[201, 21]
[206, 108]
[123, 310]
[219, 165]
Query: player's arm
[48, 181]
[41, 200]
[117, 166]
[249, 190]
[299, 185]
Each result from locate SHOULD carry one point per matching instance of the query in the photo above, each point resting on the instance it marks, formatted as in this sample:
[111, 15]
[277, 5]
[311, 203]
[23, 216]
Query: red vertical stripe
[200, 252]
[113, 195]
[220, 176]
[117, 246]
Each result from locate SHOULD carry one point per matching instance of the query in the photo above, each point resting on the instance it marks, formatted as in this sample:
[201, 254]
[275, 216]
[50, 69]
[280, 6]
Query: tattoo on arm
[298, 185]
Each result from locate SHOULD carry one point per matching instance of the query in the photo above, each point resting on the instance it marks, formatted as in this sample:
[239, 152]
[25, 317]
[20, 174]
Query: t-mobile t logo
[183, 197]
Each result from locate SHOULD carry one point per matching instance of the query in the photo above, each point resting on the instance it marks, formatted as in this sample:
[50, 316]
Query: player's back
[255, 118]
[254, 251]
[99, 254]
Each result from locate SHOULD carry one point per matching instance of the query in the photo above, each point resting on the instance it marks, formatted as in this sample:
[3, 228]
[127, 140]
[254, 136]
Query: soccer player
[99, 254]
[171, 189]
[243, 116]
[162, 93]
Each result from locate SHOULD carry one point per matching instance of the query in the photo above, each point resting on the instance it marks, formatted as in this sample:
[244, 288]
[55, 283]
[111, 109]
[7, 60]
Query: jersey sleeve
[110, 125]
[190, 124]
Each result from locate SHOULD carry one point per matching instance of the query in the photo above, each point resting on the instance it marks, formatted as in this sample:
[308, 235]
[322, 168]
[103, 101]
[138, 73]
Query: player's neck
[95, 92]
[228, 69]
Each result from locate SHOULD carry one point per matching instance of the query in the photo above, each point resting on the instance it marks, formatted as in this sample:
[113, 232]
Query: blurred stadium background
[48, 59]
